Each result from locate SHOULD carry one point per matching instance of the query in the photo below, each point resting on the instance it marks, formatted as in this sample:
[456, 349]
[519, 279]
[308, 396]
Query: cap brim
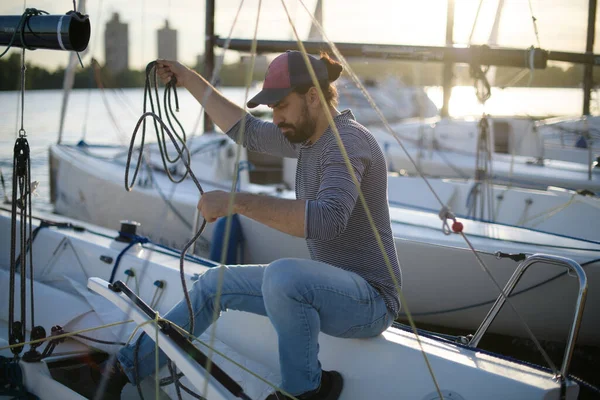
[268, 96]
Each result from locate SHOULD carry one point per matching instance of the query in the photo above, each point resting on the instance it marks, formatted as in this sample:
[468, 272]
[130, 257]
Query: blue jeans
[300, 297]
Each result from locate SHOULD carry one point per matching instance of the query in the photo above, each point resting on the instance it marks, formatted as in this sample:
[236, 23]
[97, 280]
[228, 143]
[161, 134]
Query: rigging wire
[535, 27]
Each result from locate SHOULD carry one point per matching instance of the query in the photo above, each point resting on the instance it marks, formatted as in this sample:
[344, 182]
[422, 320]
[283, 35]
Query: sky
[561, 24]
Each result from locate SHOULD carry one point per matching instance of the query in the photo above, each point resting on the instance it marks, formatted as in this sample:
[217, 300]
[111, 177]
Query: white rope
[445, 214]
[546, 215]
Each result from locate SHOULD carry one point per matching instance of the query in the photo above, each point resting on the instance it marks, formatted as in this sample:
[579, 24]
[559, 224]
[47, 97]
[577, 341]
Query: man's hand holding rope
[214, 204]
[167, 70]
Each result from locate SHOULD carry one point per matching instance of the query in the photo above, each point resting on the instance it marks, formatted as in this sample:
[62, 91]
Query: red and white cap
[285, 73]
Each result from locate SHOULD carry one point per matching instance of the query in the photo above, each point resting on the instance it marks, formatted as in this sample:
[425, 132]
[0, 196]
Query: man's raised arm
[224, 113]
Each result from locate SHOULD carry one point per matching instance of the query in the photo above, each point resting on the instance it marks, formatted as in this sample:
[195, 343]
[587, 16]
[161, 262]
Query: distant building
[167, 42]
[116, 45]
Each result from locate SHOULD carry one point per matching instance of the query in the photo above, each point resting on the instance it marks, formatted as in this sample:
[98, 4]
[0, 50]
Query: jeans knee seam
[308, 343]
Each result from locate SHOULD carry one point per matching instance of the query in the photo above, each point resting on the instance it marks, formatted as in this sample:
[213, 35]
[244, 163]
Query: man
[345, 290]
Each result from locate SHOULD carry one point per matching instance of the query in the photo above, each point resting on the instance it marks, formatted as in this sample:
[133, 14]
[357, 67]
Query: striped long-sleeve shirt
[337, 230]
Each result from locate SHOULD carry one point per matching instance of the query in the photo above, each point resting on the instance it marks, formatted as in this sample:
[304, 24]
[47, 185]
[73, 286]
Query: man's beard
[301, 131]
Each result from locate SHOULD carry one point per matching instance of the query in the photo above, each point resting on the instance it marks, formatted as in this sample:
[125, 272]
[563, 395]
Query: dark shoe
[329, 389]
[114, 381]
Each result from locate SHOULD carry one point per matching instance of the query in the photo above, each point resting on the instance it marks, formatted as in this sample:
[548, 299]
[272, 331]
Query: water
[537, 102]
[88, 118]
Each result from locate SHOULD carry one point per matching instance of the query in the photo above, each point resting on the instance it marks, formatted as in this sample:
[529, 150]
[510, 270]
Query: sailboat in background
[571, 139]
[450, 147]
[522, 152]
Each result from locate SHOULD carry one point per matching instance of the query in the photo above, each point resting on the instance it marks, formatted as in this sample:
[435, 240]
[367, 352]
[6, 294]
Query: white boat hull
[571, 139]
[555, 210]
[442, 280]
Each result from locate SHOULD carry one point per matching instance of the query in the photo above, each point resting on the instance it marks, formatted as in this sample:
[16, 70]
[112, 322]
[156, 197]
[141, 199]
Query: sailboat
[524, 152]
[140, 279]
[571, 139]
[450, 149]
[70, 257]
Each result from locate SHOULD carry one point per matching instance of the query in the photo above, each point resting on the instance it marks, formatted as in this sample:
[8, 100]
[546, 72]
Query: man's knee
[208, 283]
[285, 276]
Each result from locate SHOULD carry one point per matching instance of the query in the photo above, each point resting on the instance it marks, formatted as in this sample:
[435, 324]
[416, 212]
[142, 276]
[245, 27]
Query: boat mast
[448, 74]
[69, 80]
[209, 53]
[588, 72]
[315, 33]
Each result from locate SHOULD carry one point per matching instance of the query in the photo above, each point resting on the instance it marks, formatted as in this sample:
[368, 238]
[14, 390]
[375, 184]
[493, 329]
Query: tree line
[413, 73]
